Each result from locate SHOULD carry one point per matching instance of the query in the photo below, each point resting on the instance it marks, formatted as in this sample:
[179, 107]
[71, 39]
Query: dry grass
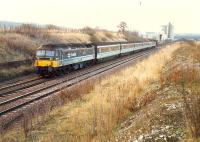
[6, 74]
[19, 45]
[114, 98]
[15, 47]
[95, 116]
[7, 54]
[107, 36]
[192, 114]
[66, 37]
[132, 37]
[185, 76]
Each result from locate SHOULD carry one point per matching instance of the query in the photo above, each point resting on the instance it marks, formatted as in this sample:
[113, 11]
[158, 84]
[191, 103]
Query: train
[54, 59]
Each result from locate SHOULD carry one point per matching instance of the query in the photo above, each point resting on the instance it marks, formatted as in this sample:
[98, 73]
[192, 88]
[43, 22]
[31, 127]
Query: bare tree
[122, 27]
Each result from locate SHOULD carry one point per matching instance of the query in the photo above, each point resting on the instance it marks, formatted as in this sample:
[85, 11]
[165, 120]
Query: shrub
[89, 31]
[92, 33]
[19, 43]
[108, 34]
[132, 37]
[6, 74]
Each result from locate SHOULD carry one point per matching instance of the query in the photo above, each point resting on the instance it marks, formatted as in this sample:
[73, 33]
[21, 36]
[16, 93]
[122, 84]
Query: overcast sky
[141, 15]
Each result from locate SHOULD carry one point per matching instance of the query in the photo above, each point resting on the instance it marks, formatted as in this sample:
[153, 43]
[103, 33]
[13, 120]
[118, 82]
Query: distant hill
[8, 24]
[188, 36]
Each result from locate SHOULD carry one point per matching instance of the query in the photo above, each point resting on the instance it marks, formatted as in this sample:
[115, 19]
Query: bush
[6, 74]
[108, 34]
[19, 43]
[89, 31]
[132, 37]
[92, 33]
[192, 113]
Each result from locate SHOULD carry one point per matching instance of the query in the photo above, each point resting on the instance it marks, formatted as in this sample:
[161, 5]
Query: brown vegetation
[95, 116]
[133, 36]
[11, 73]
[18, 43]
[185, 76]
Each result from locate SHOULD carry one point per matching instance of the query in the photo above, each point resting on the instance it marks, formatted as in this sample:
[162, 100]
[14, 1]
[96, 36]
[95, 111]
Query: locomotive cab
[47, 61]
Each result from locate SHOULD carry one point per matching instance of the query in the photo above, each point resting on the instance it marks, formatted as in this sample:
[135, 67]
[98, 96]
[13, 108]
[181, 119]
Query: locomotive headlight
[36, 62]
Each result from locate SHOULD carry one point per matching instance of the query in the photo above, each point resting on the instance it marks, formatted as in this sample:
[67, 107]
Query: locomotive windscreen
[45, 53]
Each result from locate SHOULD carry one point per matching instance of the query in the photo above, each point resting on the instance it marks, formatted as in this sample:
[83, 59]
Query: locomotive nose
[43, 63]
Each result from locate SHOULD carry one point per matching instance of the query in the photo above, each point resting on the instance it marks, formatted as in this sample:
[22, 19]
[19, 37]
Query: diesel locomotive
[54, 59]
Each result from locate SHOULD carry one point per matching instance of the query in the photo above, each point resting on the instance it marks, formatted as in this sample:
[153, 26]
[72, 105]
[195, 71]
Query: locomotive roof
[65, 46]
[72, 45]
[77, 45]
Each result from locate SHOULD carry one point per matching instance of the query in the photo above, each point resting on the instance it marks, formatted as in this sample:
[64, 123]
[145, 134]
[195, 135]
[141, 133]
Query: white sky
[183, 14]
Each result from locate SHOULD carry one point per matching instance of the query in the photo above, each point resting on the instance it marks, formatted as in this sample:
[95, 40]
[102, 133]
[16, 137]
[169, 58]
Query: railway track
[23, 97]
[13, 88]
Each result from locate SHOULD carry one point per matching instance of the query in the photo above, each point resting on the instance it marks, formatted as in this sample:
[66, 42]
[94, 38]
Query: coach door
[60, 57]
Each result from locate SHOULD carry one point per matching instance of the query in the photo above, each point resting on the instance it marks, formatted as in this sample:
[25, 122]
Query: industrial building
[167, 32]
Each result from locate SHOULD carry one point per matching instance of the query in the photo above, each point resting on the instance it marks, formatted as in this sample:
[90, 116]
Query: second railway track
[12, 88]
